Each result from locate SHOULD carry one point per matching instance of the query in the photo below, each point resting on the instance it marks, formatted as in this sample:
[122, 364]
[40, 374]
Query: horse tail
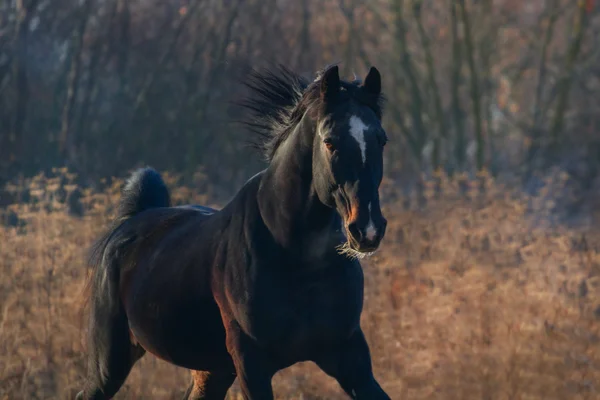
[145, 189]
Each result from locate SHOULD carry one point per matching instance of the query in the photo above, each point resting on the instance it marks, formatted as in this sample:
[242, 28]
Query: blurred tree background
[506, 87]
[488, 285]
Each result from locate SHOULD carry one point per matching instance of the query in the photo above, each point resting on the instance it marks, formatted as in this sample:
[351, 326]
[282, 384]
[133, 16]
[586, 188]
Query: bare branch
[455, 78]
[433, 86]
[21, 90]
[166, 56]
[564, 84]
[537, 106]
[475, 93]
[409, 72]
[66, 141]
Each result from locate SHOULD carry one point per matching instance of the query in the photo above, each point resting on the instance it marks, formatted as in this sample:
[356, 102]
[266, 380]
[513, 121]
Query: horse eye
[329, 145]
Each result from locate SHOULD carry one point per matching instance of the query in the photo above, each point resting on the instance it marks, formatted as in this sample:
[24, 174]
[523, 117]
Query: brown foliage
[469, 298]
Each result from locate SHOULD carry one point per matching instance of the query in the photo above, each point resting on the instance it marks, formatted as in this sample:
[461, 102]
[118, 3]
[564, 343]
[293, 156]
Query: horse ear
[330, 82]
[373, 82]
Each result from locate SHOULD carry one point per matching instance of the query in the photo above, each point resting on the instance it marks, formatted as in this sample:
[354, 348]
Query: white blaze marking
[371, 231]
[357, 130]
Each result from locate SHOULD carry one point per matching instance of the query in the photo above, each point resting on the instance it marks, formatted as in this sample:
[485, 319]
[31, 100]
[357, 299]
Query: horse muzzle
[366, 239]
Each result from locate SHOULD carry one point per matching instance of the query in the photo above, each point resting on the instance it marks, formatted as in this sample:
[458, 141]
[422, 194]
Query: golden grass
[465, 300]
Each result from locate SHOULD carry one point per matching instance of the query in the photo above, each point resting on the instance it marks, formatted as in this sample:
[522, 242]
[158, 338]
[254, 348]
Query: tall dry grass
[470, 297]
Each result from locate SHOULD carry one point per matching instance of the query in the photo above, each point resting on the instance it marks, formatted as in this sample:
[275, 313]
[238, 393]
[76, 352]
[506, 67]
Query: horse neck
[287, 200]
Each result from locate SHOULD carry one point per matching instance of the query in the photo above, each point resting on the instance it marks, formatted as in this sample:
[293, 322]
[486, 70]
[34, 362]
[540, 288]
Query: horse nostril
[354, 231]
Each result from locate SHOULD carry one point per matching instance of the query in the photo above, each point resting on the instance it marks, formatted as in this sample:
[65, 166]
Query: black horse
[270, 280]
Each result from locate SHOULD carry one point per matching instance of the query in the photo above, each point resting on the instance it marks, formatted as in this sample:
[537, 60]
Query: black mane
[280, 97]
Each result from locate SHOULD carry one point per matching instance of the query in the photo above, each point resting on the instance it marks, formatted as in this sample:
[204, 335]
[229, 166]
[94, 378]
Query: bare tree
[104, 86]
[566, 79]
[474, 83]
[67, 143]
[24, 14]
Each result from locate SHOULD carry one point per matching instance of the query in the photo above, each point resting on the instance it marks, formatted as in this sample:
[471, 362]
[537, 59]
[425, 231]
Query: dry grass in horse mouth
[464, 300]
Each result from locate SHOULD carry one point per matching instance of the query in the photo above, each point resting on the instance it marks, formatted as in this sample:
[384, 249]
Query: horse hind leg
[108, 375]
[208, 385]
[111, 355]
[111, 351]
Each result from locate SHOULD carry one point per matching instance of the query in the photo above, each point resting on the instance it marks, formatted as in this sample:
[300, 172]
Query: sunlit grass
[470, 297]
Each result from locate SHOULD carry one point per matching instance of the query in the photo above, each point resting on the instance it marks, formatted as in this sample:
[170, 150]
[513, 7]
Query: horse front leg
[350, 364]
[253, 369]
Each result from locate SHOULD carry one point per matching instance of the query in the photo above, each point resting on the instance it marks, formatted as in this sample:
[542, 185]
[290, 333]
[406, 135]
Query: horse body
[288, 309]
[257, 286]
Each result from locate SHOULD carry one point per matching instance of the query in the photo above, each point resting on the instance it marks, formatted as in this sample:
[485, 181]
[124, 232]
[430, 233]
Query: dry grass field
[474, 296]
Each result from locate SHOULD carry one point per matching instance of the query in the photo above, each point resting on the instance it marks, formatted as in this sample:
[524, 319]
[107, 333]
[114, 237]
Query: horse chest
[310, 311]
[326, 310]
